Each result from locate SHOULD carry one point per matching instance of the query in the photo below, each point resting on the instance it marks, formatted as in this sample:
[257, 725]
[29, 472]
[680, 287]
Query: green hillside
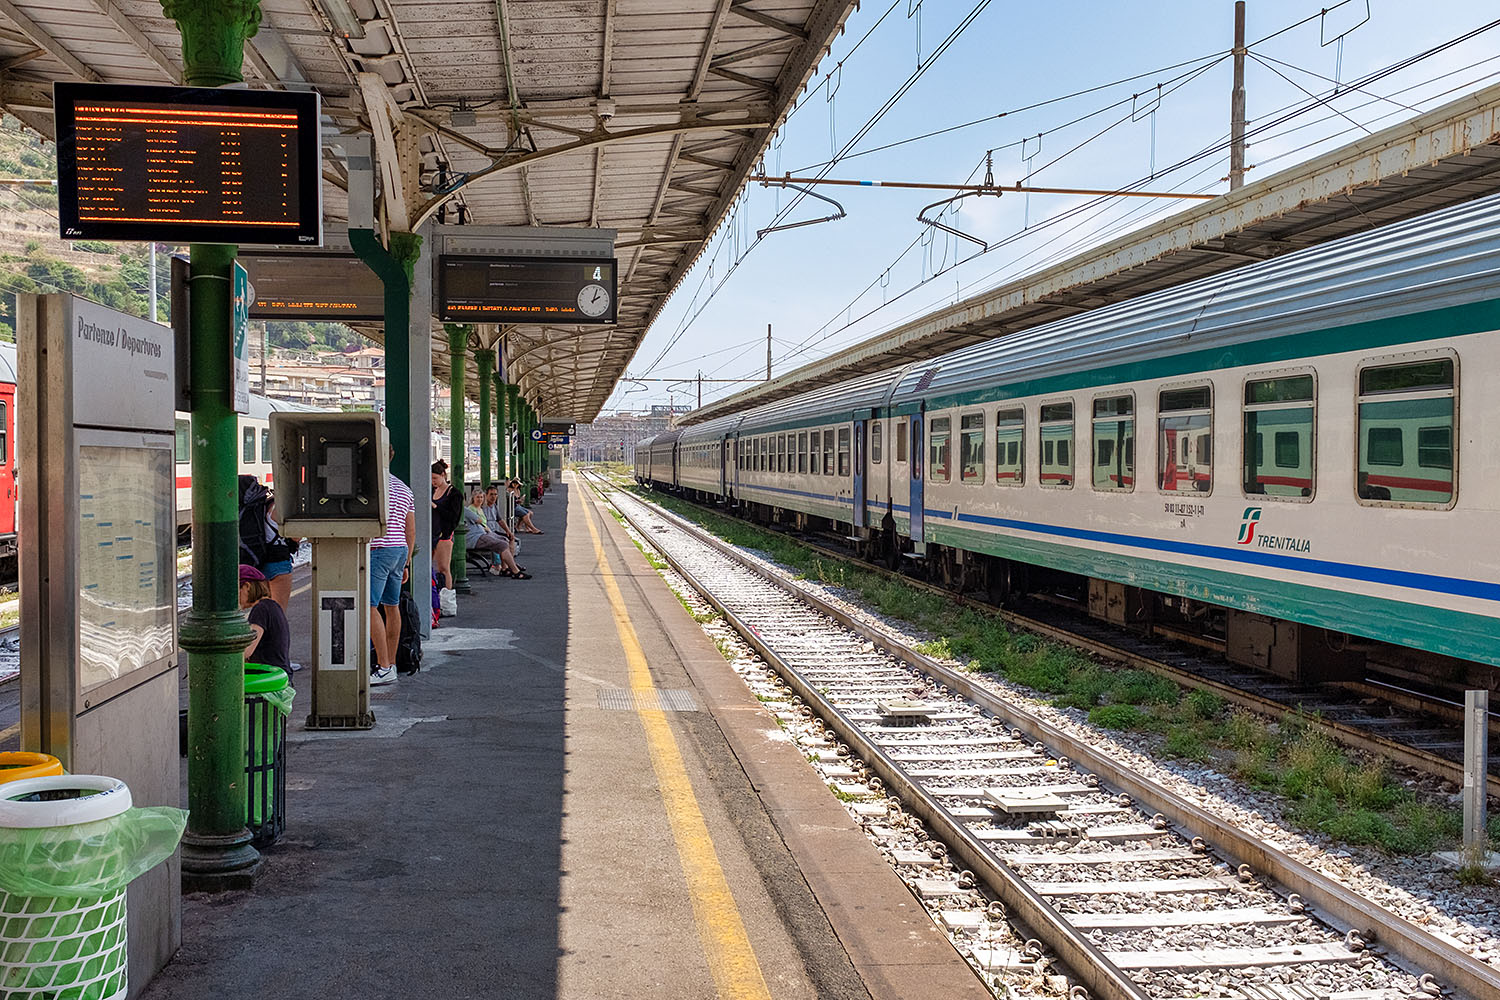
[34, 259]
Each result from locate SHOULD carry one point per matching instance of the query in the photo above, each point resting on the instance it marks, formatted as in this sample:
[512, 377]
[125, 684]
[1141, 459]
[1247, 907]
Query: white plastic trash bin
[60, 832]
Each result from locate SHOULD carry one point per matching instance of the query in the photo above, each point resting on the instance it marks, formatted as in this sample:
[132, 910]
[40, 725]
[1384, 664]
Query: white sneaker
[386, 675]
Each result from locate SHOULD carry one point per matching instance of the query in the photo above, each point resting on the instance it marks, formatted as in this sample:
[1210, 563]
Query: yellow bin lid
[17, 765]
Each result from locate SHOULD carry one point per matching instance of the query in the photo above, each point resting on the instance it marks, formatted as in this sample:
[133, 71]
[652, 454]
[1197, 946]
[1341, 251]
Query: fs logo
[1247, 525]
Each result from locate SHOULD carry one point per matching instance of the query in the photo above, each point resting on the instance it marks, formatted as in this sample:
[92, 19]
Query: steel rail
[1334, 902]
[1350, 736]
[1101, 977]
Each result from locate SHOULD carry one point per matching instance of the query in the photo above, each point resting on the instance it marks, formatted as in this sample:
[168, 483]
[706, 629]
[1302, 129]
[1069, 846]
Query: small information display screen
[313, 286]
[188, 164]
[475, 289]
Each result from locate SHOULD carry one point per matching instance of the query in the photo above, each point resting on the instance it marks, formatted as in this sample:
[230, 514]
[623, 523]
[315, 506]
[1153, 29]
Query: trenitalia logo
[1247, 525]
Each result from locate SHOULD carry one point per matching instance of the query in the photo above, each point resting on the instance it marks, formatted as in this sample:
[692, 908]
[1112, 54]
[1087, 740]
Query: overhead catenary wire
[1274, 124]
[1299, 107]
[860, 134]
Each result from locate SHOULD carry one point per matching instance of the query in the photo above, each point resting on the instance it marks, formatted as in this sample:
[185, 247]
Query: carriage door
[737, 462]
[860, 429]
[915, 465]
[7, 461]
[724, 465]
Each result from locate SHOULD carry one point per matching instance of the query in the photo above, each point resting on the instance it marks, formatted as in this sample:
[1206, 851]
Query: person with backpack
[261, 542]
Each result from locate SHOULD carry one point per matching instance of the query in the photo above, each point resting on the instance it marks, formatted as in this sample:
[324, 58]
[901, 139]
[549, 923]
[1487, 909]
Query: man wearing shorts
[390, 555]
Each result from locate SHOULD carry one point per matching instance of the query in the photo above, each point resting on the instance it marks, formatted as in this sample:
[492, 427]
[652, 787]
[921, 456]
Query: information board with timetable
[180, 164]
[569, 290]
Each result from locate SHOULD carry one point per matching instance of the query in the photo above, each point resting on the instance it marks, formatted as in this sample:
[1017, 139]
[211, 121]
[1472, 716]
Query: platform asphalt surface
[504, 831]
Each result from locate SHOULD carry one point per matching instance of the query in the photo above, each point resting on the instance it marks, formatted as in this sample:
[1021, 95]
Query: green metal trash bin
[268, 703]
[69, 846]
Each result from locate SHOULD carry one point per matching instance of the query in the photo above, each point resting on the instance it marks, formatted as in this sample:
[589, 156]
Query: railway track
[1137, 891]
[1392, 732]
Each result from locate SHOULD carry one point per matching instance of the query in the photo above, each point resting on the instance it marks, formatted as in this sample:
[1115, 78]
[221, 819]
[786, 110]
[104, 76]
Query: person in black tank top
[447, 513]
[273, 637]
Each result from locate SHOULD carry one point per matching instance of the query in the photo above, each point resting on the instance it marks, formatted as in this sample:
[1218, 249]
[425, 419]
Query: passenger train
[254, 454]
[1283, 458]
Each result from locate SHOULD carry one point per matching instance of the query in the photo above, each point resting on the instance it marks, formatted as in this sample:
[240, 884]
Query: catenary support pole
[1237, 102]
[216, 850]
[458, 368]
[484, 360]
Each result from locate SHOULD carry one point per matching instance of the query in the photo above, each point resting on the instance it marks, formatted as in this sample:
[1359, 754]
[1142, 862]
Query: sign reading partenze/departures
[126, 363]
[98, 570]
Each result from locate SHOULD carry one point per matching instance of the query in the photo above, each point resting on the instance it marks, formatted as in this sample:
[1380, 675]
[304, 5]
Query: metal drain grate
[661, 699]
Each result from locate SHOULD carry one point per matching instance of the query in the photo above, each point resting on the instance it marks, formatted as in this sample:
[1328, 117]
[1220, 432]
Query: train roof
[712, 430]
[8, 361]
[834, 402]
[1446, 258]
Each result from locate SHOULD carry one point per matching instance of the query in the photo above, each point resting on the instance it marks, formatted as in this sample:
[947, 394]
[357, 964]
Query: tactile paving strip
[660, 699]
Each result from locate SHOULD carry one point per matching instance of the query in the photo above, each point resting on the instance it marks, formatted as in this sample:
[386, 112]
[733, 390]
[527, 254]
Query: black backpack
[409, 646]
[260, 543]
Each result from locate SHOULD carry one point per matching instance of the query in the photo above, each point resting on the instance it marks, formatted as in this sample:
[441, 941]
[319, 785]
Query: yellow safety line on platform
[731, 959]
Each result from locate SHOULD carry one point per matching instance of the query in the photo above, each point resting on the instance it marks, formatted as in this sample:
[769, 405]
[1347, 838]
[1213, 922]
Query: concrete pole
[768, 352]
[1476, 770]
[216, 851]
[1237, 102]
[484, 360]
[152, 286]
[458, 369]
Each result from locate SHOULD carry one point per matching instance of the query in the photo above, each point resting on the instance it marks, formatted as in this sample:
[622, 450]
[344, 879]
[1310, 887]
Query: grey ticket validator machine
[98, 569]
[329, 473]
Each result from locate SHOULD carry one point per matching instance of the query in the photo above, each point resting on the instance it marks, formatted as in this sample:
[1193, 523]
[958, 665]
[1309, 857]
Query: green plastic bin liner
[265, 732]
[69, 845]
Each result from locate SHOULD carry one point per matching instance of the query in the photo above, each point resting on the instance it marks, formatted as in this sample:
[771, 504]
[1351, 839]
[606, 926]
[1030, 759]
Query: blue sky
[823, 287]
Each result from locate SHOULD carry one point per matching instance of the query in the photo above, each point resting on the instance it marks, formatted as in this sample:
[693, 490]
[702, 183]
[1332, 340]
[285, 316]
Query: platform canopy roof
[643, 116]
[1446, 156]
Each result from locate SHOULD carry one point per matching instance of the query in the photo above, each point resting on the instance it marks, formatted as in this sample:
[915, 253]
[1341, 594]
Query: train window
[1406, 416]
[1114, 443]
[843, 451]
[1010, 431]
[815, 448]
[828, 453]
[1282, 407]
[184, 436]
[901, 439]
[939, 449]
[778, 460]
[265, 445]
[802, 453]
[875, 435]
[1434, 446]
[971, 447]
[1057, 440]
[249, 449]
[1185, 439]
[4, 437]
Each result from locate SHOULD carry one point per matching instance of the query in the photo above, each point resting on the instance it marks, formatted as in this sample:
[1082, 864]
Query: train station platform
[575, 797]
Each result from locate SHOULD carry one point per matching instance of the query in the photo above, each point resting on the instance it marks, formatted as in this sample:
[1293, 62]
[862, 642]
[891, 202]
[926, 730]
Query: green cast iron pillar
[485, 360]
[500, 423]
[216, 851]
[458, 367]
[512, 437]
[394, 268]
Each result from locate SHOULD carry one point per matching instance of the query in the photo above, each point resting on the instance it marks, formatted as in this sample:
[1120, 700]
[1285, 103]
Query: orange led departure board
[188, 165]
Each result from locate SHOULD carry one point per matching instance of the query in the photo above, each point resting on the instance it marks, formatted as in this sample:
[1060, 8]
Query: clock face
[593, 300]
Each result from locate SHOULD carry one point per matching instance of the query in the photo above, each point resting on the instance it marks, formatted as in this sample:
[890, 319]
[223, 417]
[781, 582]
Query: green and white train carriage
[1307, 440]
